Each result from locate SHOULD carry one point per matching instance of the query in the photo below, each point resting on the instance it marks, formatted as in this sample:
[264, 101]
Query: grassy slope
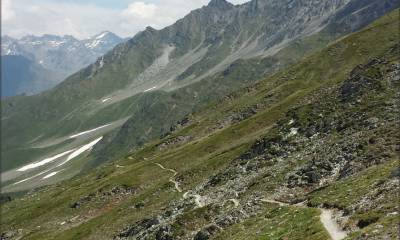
[279, 223]
[210, 151]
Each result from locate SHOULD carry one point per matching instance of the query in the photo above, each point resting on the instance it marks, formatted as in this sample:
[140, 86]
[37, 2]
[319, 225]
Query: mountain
[144, 87]
[62, 55]
[102, 43]
[9, 46]
[308, 152]
[147, 86]
[20, 75]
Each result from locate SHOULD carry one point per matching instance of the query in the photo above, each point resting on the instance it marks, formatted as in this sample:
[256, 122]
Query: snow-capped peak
[102, 40]
[103, 34]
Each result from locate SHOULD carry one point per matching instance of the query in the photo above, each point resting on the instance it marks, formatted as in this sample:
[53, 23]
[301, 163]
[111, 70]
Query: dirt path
[331, 225]
[198, 200]
[326, 218]
[274, 202]
[171, 179]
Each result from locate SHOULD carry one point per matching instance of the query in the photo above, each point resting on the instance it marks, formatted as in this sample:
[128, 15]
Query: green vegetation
[279, 223]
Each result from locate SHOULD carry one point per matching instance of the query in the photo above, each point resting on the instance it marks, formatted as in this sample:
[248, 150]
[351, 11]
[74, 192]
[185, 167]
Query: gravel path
[331, 225]
[171, 179]
[326, 218]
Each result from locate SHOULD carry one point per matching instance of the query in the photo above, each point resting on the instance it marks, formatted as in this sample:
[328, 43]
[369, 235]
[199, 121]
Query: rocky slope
[60, 56]
[312, 148]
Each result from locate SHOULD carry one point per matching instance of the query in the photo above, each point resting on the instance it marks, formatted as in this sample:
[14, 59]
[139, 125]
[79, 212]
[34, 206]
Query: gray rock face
[211, 39]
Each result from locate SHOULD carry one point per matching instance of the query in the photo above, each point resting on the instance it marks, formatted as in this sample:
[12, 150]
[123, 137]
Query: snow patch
[105, 100]
[29, 178]
[81, 150]
[148, 90]
[56, 43]
[96, 42]
[51, 174]
[43, 162]
[101, 64]
[88, 131]
[24, 180]
[102, 35]
[35, 43]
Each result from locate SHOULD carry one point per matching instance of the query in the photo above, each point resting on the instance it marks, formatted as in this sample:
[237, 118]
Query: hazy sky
[83, 18]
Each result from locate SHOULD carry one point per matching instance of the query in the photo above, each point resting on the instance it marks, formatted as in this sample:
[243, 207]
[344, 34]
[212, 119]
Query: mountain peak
[150, 29]
[102, 41]
[220, 4]
[104, 34]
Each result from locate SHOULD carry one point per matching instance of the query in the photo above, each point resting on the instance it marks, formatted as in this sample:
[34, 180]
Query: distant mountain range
[48, 59]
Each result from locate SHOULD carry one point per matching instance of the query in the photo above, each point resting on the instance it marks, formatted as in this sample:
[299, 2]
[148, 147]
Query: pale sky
[84, 18]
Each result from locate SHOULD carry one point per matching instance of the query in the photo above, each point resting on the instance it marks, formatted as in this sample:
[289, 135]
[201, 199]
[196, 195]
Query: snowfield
[105, 100]
[29, 178]
[43, 162]
[88, 131]
[148, 90]
[81, 150]
[73, 154]
[50, 174]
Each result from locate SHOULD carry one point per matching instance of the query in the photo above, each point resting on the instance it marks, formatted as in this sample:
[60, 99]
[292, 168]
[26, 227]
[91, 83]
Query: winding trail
[326, 218]
[171, 179]
[198, 200]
